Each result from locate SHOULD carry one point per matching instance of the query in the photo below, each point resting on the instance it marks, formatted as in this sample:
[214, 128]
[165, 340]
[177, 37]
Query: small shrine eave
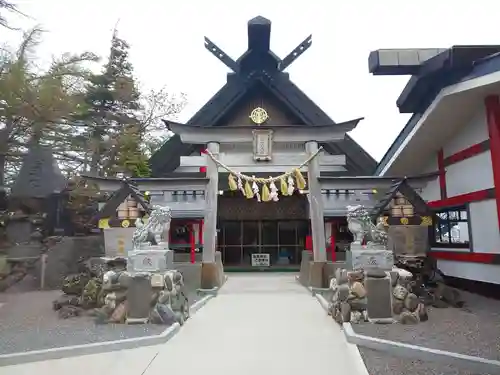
[150, 184]
[373, 182]
[118, 197]
[284, 133]
[402, 187]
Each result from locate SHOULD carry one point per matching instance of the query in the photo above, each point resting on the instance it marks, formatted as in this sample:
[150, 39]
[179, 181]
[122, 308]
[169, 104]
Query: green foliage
[112, 101]
[98, 123]
[130, 157]
[34, 104]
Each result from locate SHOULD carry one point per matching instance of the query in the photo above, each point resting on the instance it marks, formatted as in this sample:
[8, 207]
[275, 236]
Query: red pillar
[493, 121]
[193, 243]
[309, 243]
[333, 239]
[203, 169]
[200, 233]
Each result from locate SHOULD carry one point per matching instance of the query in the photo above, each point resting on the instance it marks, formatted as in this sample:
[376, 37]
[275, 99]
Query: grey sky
[167, 45]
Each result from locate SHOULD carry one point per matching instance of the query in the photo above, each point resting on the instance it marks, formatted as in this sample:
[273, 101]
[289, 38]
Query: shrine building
[453, 96]
[259, 95]
[260, 172]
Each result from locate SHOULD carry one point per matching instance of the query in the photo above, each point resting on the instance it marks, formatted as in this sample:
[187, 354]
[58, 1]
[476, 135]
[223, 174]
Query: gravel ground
[27, 322]
[379, 363]
[473, 330]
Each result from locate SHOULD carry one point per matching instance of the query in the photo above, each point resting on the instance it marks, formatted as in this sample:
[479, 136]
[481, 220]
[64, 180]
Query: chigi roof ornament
[258, 56]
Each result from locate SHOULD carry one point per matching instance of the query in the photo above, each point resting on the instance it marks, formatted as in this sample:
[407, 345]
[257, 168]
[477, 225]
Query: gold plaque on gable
[259, 116]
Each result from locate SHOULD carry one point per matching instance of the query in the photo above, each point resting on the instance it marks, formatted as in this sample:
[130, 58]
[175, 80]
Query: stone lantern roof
[39, 176]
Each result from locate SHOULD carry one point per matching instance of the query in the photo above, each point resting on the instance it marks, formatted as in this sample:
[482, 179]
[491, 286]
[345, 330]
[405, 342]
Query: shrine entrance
[253, 236]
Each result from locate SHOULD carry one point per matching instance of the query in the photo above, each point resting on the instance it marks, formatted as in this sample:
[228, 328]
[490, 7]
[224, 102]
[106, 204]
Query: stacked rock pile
[105, 293]
[351, 293]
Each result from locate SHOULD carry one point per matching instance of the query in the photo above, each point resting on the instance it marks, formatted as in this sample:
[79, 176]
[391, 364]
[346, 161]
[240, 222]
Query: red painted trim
[466, 256]
[442, 174]
[309, 243]
[459, 200]
[203, 169]
[493, 121]
[467, 153]
[333, 239]
[179, 222]
[200, 232]
[193, 243]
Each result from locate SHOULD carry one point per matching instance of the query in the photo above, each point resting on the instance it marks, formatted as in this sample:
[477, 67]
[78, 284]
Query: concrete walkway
[259, 323]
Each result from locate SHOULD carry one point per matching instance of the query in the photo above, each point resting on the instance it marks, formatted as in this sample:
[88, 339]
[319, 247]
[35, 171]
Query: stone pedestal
[379, 298]
[317, 277]
[304, 267]
[365, 257]
[139, 294]
[162, 246]
[220, 267]
[210, 276]
[151, 260]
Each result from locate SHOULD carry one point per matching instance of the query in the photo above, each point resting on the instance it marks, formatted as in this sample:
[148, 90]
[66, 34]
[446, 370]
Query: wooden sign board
[412, 240]
[261, 260]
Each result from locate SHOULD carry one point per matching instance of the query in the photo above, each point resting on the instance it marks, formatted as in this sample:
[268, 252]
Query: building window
[452, 228]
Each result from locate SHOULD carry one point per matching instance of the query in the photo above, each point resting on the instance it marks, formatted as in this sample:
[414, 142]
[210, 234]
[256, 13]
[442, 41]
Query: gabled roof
[260, 66]
[118, 196]
[454, 65]
[401, 186]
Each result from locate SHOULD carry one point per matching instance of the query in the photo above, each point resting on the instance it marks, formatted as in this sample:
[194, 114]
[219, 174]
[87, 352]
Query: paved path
[257, 324]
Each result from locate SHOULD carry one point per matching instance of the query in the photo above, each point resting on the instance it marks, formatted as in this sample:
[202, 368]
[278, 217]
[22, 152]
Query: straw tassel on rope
[266, 195]
[239, 184]
[274, 192]
[248, 190]
[232, 183]
[291, 186]
[255, 189]
[301, 182]
[283, 186]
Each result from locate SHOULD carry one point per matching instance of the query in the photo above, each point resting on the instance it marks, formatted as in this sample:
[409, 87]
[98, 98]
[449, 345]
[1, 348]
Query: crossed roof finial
[258, 55]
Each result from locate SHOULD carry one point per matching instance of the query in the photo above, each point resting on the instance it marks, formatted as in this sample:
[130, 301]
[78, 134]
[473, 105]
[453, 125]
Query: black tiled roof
[259, 66]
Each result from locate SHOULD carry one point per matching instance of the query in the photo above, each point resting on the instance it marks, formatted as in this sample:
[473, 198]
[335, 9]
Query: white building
[453, 95]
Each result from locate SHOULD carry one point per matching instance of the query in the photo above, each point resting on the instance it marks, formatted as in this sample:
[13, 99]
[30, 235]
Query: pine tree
[123, 126]
[112, 101]
[35, 106]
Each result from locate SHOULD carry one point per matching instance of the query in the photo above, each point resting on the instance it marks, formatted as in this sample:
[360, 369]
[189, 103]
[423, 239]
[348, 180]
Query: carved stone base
[150, 260]
[317, 277]
[220, 268]
[210, 276]
[304, 267]
[366, 257]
